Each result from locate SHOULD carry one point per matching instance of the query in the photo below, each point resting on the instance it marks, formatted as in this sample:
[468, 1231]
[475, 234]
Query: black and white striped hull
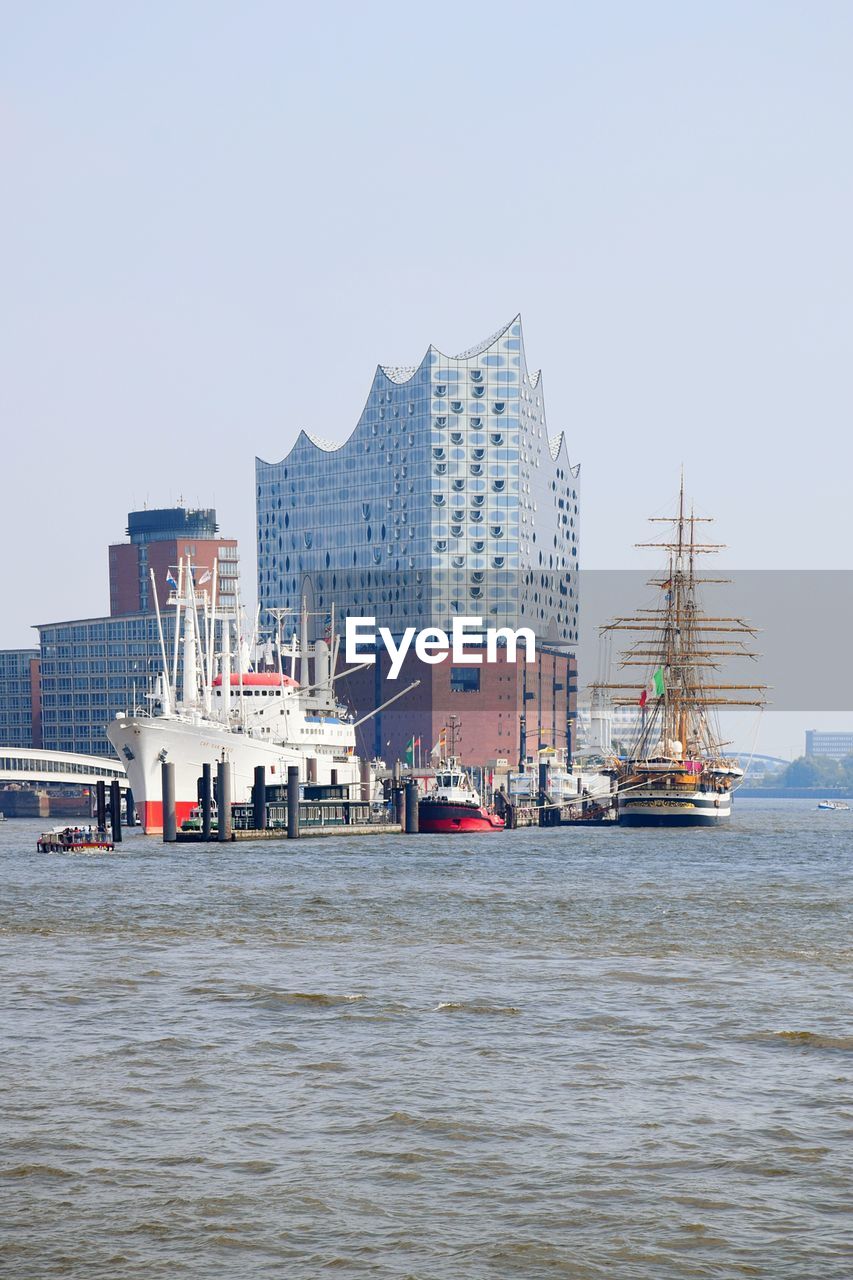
[659, 807]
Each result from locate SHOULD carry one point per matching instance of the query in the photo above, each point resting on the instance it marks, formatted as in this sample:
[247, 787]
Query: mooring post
[115, 810]
[364, 779]
[170, 827]
[129, 809]
[293, 802]
[259, 799]
[206, 801]
[101, 805]
[223, 793]
[411, 807]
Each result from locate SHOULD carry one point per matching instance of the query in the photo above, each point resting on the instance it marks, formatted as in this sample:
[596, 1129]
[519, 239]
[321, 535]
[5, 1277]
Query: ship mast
[677, 644]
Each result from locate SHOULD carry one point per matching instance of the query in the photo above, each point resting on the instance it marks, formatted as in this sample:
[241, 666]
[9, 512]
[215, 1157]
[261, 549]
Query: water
[579, 1053]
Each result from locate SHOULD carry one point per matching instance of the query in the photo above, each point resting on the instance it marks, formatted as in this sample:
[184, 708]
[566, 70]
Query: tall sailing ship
[676, 772]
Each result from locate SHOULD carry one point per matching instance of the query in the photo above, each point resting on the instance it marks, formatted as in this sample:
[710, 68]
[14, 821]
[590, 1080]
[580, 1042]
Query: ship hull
[144, 743]
[658, 807]
[446, 818]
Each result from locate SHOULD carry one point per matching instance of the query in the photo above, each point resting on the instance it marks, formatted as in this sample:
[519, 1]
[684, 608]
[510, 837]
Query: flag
[441, 745]
[410, 750]
[170, 580]
[656, 687]
[205, 577]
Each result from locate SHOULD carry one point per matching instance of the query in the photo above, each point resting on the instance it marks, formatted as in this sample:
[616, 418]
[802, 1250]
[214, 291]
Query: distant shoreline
[795, 793]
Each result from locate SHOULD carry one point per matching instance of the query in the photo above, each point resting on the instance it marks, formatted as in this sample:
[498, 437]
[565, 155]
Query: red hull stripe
[151, 814]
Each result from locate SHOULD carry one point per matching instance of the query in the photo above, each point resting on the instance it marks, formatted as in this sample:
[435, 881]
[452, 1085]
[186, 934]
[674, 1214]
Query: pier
[302, 810]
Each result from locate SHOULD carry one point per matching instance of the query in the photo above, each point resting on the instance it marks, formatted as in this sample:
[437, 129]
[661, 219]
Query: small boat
[73, 840]
[837, 805]
[454, 804]
[195, 821]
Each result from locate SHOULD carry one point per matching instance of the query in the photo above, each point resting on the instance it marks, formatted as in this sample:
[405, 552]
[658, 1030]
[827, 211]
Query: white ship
[247, 717]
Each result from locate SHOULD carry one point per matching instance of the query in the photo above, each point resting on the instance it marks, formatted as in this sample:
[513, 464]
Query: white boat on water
[835, 805]
[285, 715]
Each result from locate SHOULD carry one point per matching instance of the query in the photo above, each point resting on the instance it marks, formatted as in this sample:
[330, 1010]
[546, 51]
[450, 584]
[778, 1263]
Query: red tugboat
[454, 805]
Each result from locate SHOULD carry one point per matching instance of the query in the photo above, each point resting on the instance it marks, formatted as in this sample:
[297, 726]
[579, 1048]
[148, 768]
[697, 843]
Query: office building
[159, 539]
[836, 746]
[20, 701]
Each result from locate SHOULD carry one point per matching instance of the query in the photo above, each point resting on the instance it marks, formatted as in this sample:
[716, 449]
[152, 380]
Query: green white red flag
[656, 687]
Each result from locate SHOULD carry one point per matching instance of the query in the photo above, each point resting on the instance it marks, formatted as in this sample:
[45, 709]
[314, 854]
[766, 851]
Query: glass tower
[449, 498]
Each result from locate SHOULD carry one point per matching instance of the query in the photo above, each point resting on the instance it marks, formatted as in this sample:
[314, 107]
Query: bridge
[32, 767]
[760, 764]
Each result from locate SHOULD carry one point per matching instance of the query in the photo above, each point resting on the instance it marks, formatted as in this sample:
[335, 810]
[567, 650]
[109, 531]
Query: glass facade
[16, 697]
[166, 524]
[448, 499]
[92, 669]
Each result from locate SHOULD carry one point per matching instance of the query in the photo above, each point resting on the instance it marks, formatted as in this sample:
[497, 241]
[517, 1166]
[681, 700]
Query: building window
[464, 679]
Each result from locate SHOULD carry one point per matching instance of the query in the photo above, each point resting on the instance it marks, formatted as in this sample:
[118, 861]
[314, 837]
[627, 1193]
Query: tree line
[814, 771]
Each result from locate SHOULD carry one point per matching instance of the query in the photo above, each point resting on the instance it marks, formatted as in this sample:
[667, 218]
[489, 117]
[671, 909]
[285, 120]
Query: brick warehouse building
[504, 710]
[448, 499]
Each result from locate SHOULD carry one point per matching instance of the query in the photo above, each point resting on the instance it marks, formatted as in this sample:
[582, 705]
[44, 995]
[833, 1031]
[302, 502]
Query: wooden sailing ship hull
[659, 807]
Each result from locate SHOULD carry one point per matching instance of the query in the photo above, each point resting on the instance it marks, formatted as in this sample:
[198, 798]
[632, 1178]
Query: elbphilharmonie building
[449, 498]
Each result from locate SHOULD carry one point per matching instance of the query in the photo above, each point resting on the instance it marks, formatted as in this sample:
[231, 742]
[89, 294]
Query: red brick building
[159, 540]
[503, 710]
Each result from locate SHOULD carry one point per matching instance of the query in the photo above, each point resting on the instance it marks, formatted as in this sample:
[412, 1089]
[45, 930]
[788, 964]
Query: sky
[217, 219]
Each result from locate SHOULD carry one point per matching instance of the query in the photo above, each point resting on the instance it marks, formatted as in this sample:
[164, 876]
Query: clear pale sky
[218, 218]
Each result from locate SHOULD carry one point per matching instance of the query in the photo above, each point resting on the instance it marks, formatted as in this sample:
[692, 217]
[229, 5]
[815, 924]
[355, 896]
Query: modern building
[93, 668]
[20, 701]
[159, 539]
[820, 742]
[449, 499]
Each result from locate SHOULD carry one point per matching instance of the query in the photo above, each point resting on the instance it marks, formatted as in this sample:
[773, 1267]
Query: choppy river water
[581, 1053]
